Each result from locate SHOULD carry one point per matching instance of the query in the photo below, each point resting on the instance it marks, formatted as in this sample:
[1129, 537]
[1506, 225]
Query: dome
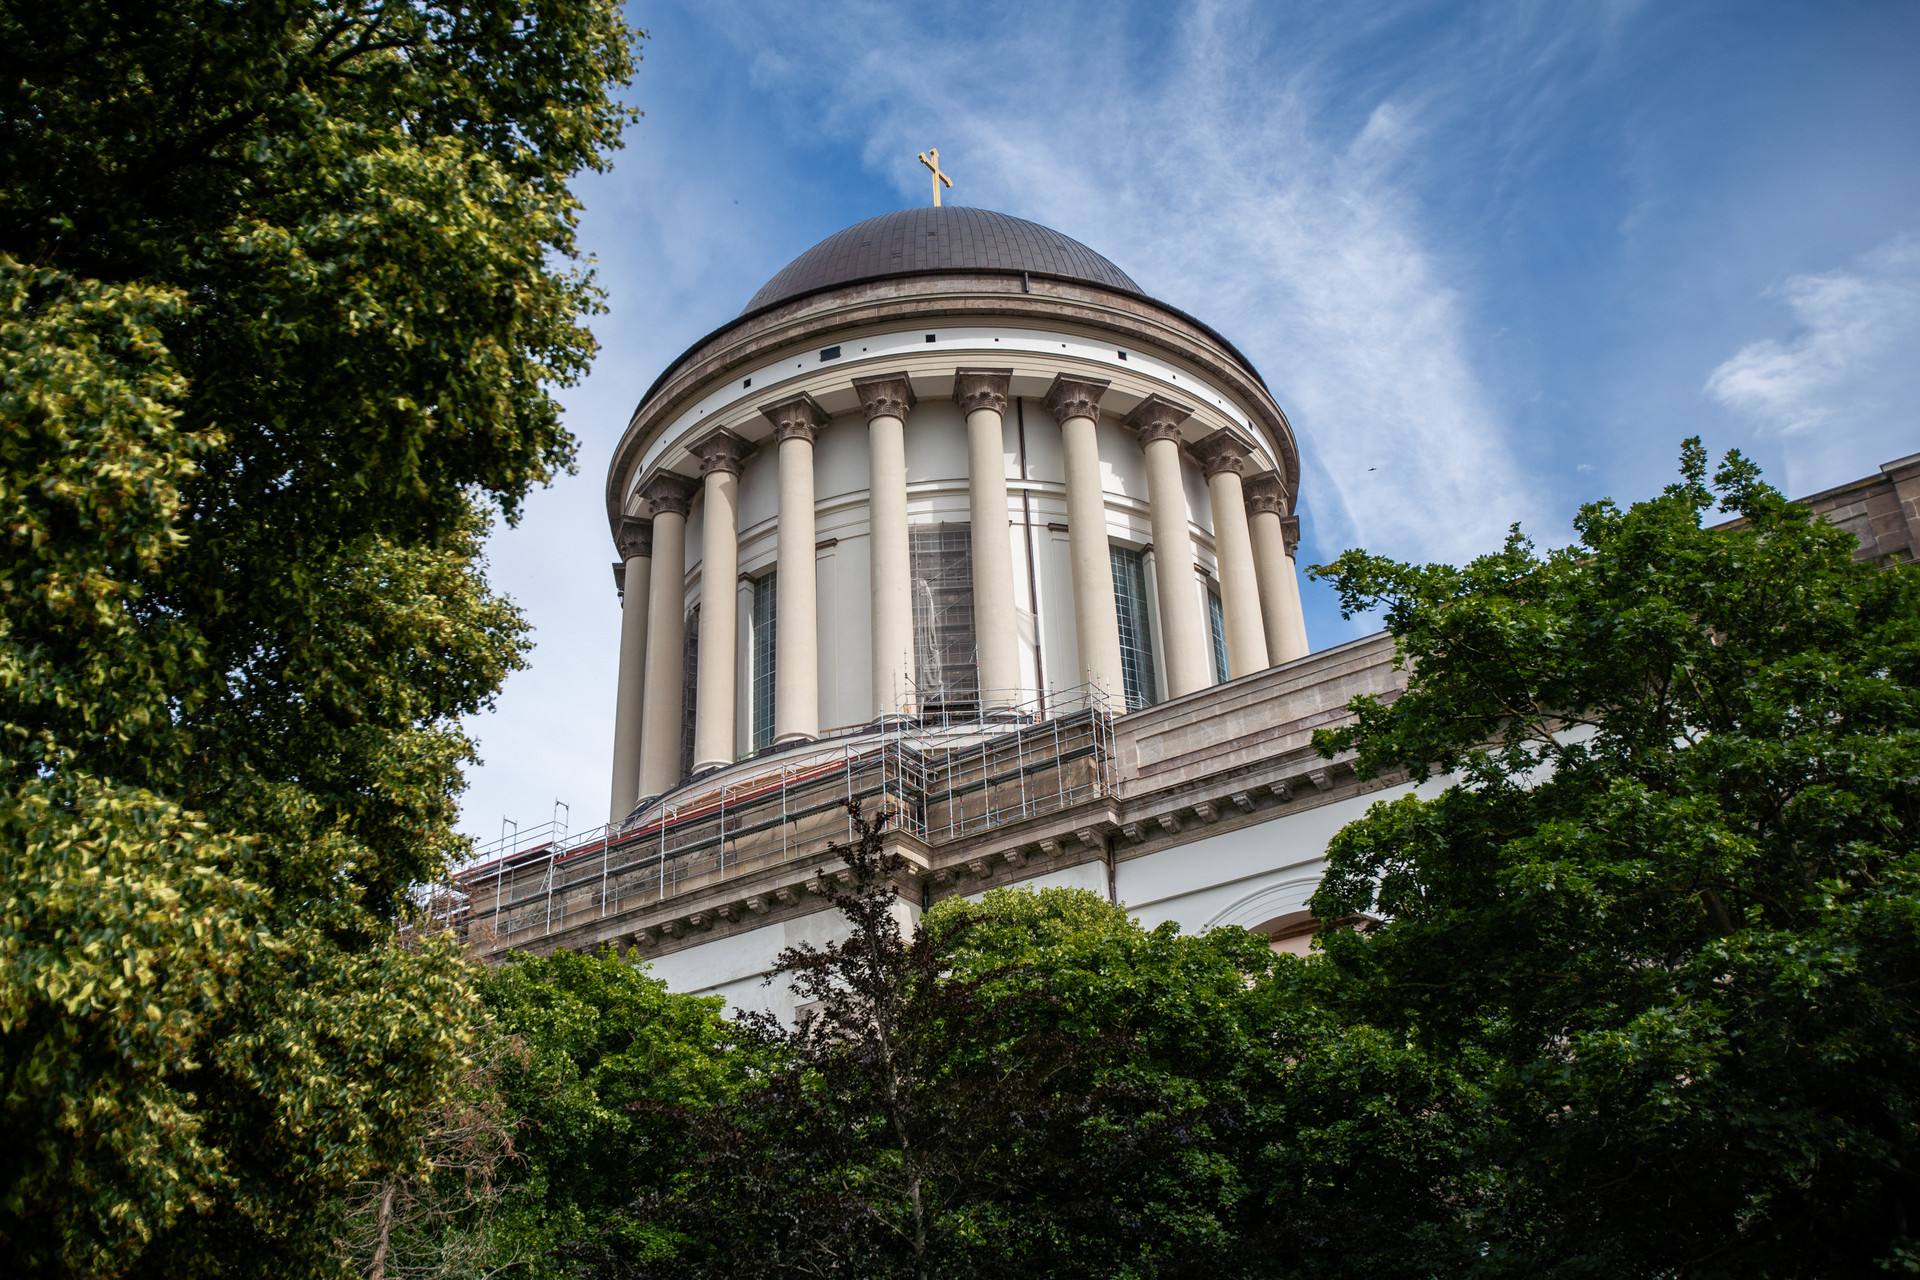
[948, 238]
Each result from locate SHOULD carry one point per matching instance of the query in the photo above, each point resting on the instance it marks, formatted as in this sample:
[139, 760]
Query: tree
[1665, 920]
[1304, 1144]
[283, 293]
[606, 1063]
[940, 1110]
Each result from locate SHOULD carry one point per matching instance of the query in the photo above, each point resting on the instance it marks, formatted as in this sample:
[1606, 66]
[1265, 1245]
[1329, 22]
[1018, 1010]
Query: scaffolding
[957, 770]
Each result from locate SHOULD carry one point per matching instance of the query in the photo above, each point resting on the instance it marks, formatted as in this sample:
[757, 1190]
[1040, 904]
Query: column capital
[1221, 451]
[1158, 418]
[1290, 530]
[1075, 397]
[634, 537]
[887, 396]
[668, 493]
[1265, 494]
[720, 450]
[795, 417]
[981, 389]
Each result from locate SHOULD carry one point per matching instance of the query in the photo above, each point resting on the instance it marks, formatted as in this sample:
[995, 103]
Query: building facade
[953, 521]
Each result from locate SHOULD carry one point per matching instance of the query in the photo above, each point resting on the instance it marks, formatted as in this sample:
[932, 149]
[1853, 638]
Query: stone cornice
[887, 396]
[720, 450]
[945, 298]
[668, 492]
[1220, 452]
[1158, 418]
[975, 389]
[795, 418]
[1265, 494]
[634, 538]
[1075, 397]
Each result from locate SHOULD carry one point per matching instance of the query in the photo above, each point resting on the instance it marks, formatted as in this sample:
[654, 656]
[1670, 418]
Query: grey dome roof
[949, 238]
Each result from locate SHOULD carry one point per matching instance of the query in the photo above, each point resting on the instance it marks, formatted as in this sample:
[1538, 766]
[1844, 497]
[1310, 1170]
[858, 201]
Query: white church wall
[696, 529]
[1045, 462]
[936, 438]
[1123, 467]
[736, 967]
[1199, 498]
[760, 486]
[1248, 876]
[1056, 584]
[840, 458]
[846, 640]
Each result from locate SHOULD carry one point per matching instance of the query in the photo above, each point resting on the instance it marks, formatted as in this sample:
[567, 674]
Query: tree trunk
[383, 1229]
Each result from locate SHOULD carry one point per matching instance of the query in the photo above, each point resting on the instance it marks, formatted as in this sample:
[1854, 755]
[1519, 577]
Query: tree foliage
[607, 1064]
[940, 1110]
[1666, 917]
[283, 292]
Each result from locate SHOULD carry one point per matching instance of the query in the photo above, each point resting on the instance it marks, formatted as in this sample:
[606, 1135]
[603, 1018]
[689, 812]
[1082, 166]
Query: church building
[953, 520]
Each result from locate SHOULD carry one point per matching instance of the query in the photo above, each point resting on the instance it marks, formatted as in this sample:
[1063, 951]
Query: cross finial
[938, 177]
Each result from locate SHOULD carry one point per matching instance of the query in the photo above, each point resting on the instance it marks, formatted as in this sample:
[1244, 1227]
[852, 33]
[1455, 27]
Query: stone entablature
[797, 331]
[1882, 511]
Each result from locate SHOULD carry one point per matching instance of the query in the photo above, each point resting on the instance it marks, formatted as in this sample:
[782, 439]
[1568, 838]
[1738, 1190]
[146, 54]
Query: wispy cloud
[1850, 373]
[1207, 167]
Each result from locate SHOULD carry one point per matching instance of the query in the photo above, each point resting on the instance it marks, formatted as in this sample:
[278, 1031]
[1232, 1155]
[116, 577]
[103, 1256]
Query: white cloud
[1209, 174]
[1851, 374]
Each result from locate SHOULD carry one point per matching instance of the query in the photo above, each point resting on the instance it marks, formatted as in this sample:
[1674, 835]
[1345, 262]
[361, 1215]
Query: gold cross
[938, 177]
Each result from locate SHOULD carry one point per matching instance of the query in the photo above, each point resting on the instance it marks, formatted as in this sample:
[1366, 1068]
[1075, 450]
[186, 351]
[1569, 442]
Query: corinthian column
[720, 454]
[796, 653]
[1188, 656]
[982, 396]
[666, 497]
[1275, 535]
[1223, 459]
[635, 543]
[1075, 405]
[886, 401]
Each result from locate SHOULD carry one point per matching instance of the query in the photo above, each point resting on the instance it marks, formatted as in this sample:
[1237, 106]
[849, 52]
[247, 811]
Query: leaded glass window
[1136, 640]
[1217, 620]
[763, 673]
[945, 654]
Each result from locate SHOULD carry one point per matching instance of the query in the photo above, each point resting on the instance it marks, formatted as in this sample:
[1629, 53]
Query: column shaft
[1239, 588]
[1183, 630]
[982, 395]
[1075, 405]
[666, 638]
[630, 694]
[887, 401]
[796, 657]
[1186, 651]
[714, 693]
[1273, 566]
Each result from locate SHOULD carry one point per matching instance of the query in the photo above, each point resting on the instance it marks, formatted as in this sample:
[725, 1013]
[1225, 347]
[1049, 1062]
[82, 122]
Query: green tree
[283, 293]
[1665, 921]
[606, 1065]
[1035, 1085]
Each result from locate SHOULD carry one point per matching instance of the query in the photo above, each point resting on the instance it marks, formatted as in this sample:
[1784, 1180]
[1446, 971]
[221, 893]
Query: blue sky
[1494, 259]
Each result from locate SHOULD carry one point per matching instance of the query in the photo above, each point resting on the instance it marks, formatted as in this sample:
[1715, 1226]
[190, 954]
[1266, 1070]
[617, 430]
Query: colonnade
[1254, 540]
